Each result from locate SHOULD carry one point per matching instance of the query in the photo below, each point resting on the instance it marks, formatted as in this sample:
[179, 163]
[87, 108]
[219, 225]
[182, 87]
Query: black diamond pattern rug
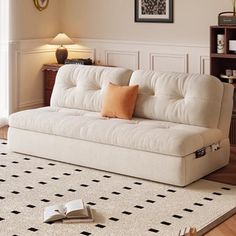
[122, 205]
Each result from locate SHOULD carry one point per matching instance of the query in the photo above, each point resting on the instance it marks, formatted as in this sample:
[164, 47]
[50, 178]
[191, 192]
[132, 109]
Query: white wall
[183, 44]
[27, 55]
[114, 19]
[26, 22]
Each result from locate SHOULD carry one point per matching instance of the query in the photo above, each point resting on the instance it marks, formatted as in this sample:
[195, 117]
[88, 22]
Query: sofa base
[179, 171]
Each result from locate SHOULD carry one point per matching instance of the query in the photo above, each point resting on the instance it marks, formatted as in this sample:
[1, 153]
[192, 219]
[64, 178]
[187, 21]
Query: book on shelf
[71, 212]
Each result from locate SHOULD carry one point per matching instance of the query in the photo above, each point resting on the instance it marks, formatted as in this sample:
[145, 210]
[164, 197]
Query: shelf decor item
[228, 17]
[230, 79]
[220, 43]
[41, 4]
[232, 46]
[228, 72]
[61, 53]
[154, 11]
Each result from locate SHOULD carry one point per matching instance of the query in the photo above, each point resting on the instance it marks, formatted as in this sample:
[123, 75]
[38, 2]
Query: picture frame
[41, 4]
[154, 11]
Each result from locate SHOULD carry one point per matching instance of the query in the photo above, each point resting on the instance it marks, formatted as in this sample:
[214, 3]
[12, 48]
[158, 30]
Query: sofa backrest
[82, 87]
[178, 97]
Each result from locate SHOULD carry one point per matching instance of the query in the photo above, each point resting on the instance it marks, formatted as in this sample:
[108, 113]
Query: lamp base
[61, 55]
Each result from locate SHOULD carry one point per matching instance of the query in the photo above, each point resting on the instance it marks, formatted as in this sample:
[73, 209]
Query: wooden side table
[50, 72]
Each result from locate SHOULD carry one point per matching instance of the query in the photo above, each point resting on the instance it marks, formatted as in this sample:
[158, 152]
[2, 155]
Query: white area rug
[122, 205]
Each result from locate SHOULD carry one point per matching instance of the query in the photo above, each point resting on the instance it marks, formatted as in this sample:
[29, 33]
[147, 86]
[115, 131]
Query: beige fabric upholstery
[141, 164]
[226, 109]
[177, 97]
[82, 87]
[176, 114]
[141, 134]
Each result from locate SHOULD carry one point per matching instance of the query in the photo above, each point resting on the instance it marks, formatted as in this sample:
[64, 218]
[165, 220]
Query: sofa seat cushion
[140, 134]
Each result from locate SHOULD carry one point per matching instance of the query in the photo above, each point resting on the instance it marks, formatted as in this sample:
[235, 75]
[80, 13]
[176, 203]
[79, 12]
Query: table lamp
[61, 53]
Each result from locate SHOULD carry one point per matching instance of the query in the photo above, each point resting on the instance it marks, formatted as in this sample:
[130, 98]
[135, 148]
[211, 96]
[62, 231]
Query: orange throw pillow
[119, 101]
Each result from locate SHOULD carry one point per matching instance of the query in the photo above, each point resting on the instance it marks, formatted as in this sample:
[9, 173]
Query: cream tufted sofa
[179, 132]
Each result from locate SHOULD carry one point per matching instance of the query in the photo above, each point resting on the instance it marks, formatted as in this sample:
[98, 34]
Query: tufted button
[96, 86]
[151, 93]
[148, 91]
[179, 96]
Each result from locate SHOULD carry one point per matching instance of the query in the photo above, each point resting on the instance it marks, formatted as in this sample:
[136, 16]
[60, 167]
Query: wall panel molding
[138, 43]
[28, 56]
[82, 53]
[13, 74]
[30, 77]
[204, 65]
[169, 62]
[125, 59]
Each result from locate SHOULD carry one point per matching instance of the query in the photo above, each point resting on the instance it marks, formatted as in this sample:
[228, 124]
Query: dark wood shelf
[219, 63]
[223, 27]
[224, 56]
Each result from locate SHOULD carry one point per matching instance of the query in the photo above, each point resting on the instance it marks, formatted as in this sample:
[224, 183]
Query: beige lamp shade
[61, 39]
[61, 52]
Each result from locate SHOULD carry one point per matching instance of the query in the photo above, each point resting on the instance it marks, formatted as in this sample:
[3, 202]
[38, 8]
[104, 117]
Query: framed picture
[41, 4]
[154, 11]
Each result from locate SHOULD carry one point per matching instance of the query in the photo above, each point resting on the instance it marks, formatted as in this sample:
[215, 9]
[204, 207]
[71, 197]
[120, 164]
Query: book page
[90, 218]
[76, 209]
[53, 213]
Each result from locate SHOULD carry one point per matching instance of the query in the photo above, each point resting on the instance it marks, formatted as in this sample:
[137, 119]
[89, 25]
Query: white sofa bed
[179, 132]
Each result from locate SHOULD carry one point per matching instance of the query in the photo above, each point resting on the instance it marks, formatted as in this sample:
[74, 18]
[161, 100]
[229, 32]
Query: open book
[192, 231]
[71, 212]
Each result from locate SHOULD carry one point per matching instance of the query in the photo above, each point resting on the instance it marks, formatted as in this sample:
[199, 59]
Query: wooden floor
[225, 175]
[227, 228]
[3, 132]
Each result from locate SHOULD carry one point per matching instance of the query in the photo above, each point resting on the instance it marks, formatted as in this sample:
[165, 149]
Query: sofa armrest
[226, 109]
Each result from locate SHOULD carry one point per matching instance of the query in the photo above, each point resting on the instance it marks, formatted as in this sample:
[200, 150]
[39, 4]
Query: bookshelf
[220, 62]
